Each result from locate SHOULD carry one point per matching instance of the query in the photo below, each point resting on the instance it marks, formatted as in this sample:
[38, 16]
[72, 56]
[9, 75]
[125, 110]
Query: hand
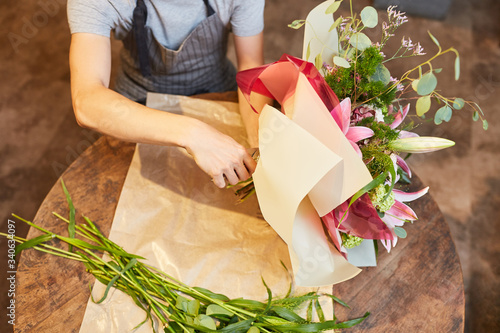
[220, 156]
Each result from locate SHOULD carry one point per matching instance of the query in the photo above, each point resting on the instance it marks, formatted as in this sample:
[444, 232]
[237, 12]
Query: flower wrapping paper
[170, 212]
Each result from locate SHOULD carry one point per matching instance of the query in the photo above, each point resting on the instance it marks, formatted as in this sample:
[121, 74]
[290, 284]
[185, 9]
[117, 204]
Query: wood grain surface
[418, 287]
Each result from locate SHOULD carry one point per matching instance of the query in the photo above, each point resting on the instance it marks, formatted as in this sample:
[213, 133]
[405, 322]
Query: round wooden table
[418, 287]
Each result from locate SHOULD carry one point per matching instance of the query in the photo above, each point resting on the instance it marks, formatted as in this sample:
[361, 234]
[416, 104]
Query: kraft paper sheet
[171, 213]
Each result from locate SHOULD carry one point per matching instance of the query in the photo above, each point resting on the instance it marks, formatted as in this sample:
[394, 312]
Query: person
[169, 46]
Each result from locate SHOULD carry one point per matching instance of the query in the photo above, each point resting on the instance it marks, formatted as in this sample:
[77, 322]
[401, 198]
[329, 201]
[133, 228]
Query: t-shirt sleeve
[247, 18]
[92, 16]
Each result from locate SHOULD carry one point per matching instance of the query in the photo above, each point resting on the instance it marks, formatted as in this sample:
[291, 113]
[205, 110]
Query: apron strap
[210, 10]
[139, 26]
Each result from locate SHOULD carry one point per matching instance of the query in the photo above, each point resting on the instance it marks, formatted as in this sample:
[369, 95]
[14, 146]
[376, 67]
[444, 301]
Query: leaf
[287, 314]
[210, 294]
[360, 41]
[71, 226]
[438, 70]
[253, 329]
[369, 17]
[485, 124]
[414, 84]
[32, 242]
[338, 300]
[193, 307]
[400, 232]
[82, 244]
[217, 310]
[130, 264]
[239, 327]
[444, 113]
[297, 24]
[333, 7]
[318, 61]
[475, 116]
[381, 74]
[426, 84]
[308, 52]
[341, 62]
[269, 295]
[458, 103]
[370, 186]
[309, 311]
[352, 322]
[319, 311]
[457, 68]
[248, 304]
[335, 24]
[434, 40]
[205, 321]
[423, 105]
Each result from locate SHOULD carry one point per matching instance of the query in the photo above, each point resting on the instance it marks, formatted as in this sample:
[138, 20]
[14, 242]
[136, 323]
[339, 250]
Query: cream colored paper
[171, 213]
[317, 36]
[292, 162]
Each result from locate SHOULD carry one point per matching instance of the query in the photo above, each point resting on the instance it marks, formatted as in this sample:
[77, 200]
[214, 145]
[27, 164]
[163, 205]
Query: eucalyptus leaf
[360, 41]
[458, 103]
[434, 40]
[423, 105]
[426, 84]
[475, 116]
[318, 61]
[485, 124]
[333, 7]
[442, 114]
[414, 84]
[335, 24]
[297, 24]
[341, 62]
[369, 17]
[438, 70]
[253, 329]
[457, 68]
[400, 232]
[381, 74]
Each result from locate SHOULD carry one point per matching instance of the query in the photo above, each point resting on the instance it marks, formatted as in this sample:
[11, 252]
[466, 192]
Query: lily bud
[421, 144]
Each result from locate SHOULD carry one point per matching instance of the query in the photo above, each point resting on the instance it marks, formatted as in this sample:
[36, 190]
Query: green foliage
[359, 81]
[377, 150]
[177, 306]
[379, 163]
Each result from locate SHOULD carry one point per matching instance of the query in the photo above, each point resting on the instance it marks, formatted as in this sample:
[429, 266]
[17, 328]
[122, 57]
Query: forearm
[108, 112]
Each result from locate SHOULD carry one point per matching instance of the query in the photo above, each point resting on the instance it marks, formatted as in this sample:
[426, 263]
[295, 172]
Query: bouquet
[347, 72]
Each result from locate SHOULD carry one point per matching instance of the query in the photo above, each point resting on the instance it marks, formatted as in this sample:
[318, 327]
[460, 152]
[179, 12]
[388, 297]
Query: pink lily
[361, 220]
[398, 119]
[399, 213]
[342, 115]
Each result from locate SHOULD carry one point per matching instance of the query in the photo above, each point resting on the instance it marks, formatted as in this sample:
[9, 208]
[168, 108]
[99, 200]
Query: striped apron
[200, 65]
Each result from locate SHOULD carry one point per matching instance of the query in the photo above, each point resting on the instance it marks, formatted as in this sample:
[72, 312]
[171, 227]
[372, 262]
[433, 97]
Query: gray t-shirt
[171, 21]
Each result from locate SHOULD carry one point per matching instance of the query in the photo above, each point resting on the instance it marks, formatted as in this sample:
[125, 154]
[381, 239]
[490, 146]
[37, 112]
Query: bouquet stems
[176, 306]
